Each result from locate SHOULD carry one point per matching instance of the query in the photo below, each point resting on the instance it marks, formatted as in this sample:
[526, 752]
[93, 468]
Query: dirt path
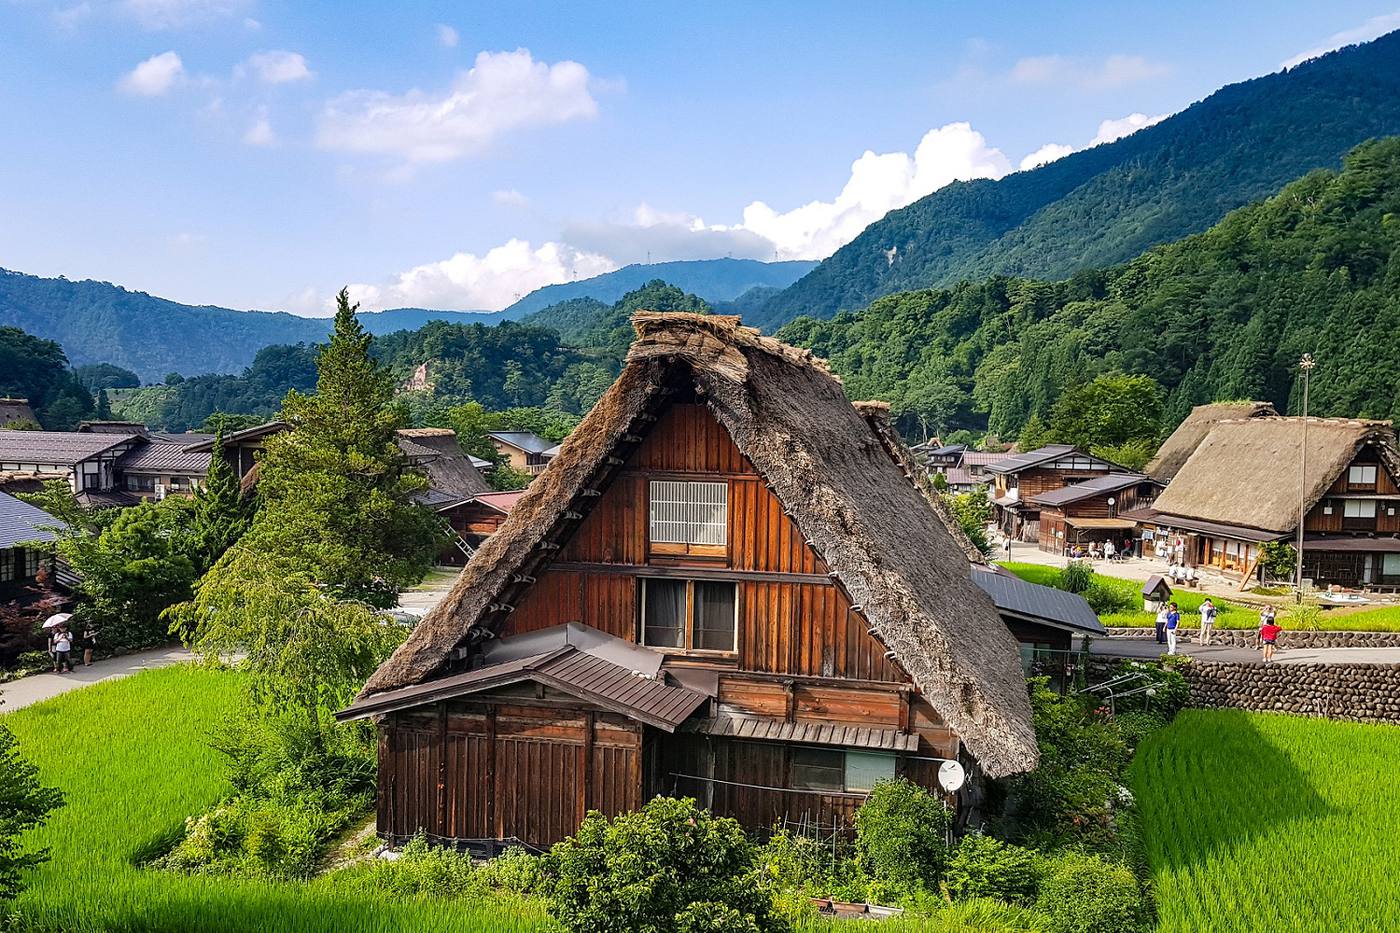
[39, 687]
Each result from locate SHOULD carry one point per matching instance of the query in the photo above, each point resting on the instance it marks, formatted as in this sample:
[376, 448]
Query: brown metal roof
[1387, 545]
[59, 447]
[1151, 516]
[807, 733]
[165, 458]
[570, 669]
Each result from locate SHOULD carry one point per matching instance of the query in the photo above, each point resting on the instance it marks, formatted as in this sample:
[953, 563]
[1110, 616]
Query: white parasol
[57, 619]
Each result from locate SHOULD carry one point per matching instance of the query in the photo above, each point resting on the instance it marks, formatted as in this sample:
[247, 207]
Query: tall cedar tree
[221, 512]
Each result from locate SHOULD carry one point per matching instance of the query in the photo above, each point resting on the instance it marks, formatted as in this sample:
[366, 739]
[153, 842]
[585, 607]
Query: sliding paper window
[689, 514]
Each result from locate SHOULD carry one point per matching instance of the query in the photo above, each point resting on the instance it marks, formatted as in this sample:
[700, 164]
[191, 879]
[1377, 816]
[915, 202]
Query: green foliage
[221, 513]
[1137, 725]
[1304, 617]
[37, 369]
[983, 867]
[1131, 454]
[1086, 894]
[800, 868]
[1222, 314]
[1279, 560]
[96, 376]
[658, 869]
[24, 804]
[1109, 203]
[901, 839]
[973, 510]
[1077, 576]
[103, 411]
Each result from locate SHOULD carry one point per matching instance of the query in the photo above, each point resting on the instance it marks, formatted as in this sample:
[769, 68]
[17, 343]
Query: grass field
[132, 757]
[1230, 615]
[1265, 823]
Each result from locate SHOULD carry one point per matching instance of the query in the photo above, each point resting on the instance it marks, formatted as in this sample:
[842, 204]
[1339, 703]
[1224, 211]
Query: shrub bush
[1105, 598]
[983, 867]
[981, 915]
[650, 869]
[514, 870]
[901, 839]
[1086, 894]
[1136, 726]
[1077, 576]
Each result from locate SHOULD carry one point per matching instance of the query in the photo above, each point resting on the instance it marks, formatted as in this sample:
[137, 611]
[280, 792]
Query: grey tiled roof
[20, 521]
[528, 441]
[63, 447]
[165, 458]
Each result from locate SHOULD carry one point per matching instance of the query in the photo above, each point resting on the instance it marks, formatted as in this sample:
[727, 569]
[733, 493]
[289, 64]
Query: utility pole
[1306, 364]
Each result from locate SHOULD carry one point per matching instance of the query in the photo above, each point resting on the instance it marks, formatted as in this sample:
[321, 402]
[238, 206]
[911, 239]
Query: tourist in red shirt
[1268, 635]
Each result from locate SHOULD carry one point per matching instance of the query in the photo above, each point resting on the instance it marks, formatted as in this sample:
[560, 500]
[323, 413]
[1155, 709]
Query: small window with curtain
[690, 615]
[817, 769]
[688, 517]
[1361, 474]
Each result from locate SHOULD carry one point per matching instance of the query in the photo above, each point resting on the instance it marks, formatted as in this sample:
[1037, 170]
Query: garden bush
[801, 867]
[1105, 598]
[655, 869]
[1086, 894]
[421, 871]
[1077, 576]
[983, 867]
[901, 839]
[515, 871]
[1136, 726]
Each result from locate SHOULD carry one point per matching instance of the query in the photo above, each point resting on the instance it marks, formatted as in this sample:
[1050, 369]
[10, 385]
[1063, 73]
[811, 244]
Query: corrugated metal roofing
[1031, 458]
[1099, 485]
[165, 458]
[760, 729]
[60, 447]
[528, 441]
[1045, 604]
[20, 521]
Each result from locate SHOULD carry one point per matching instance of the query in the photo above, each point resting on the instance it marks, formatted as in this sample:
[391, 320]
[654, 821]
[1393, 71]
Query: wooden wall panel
[556, 597]
[762, 537]
[615, 531]
[610, 604]
[808, 629]
[687, 439]
[848, 706]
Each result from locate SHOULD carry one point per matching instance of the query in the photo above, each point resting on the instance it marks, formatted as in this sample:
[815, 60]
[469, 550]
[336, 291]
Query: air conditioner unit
[160, 490]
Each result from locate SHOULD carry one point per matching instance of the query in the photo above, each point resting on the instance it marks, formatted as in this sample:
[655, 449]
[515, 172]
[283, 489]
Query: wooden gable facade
[1351, 536]
[807, 710]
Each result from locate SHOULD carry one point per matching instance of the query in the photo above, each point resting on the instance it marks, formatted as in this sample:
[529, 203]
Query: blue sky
[258, 154]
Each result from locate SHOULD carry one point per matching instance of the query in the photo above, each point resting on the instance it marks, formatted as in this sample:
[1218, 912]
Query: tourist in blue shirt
[1173, 620]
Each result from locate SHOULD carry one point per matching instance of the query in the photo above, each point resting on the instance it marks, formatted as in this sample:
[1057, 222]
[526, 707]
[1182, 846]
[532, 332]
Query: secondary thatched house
[728, 584]
[1244, 484]
[1182, 443]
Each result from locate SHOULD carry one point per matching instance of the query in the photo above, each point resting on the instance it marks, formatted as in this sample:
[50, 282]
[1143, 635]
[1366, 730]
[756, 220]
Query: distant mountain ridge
[1105, 205]
[98, 322]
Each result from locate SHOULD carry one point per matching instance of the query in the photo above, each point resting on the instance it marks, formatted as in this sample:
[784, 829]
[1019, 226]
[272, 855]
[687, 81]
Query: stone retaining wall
[1359, 692]
[1249, 638]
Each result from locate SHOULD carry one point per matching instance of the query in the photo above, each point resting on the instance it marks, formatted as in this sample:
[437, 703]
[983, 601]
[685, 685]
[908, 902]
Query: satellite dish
[951, 776]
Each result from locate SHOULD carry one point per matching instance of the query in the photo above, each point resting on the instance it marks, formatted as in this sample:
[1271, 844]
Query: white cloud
[483, 283]
[170, 14]
[1115, 71]
[650, 235]
[510, 198]
[278, 66]
[1109, 130]
[446, 36]
[504, 91]
[878, 184]
[154, 76]
[1373, 28]
[260, 132]
[1045, 154]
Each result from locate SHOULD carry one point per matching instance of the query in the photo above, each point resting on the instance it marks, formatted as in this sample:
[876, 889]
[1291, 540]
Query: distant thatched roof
[839, 482]
[1246, 472]
[437, 452]
[1182, 443]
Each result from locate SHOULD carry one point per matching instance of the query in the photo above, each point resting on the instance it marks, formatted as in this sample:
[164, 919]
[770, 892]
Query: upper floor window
[836, 771]
[689, 517]
[1362, 475]
[690, 615]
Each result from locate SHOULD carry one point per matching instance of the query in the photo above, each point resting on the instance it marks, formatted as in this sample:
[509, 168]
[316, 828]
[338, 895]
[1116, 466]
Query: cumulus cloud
[260, 132]
[154, 76]
[1045, 154]
[501, 93]
[650, 235]
[487, 282]
[447, 36]
[277, 66]
[1373, 28]
[170, 14]
[1109, 130]
[1116, 70]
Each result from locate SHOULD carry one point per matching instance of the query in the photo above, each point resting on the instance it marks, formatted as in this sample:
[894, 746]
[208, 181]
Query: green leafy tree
[1034, 435]
[221, 512]
[901, 839]
[973, 510]
[1112, 410]
[24, 804]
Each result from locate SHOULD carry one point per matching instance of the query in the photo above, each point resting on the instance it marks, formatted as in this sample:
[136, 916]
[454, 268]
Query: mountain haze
[1107, 204]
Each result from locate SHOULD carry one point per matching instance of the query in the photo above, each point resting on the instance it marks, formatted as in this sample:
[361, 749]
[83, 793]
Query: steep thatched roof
[1246, 472]
[437, 452]
[870, 524]
[1182, 443]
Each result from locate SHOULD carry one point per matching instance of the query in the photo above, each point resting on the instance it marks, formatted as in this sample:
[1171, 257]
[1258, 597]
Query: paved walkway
[39, 687]
[429, 593]
[1147, 648]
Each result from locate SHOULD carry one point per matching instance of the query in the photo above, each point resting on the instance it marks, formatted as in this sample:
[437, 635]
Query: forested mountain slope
[1224, 314]
[1107, 204]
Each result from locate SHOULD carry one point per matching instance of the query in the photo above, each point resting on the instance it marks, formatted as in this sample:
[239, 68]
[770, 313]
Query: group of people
[1106, 550]
[63, 642]
[1169, 620]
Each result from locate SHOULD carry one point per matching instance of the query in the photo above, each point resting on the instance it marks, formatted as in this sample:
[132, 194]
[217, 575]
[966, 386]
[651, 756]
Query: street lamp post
[1306, 364]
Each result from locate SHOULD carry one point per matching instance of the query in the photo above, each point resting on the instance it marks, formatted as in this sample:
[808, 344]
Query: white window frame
[682, 512]
[1357, 508]
[1357, 474]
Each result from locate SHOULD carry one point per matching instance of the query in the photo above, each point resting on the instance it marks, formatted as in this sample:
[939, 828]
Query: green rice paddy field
[1266, 823]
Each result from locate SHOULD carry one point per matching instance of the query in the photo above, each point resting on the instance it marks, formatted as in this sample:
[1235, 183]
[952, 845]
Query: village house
[1241, 488]
[16, 411]
[24, 530]
[1182, 443]
[88, 462]
[525, 451]
[1018, 480]
[1091, 512]
[727, 585]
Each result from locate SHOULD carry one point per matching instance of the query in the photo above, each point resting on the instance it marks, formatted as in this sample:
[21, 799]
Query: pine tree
[221, 513]
[104, 406]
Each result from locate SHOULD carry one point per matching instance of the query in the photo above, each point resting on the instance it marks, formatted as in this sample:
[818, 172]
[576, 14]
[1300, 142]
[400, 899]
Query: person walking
[89, 642]
[1161, 626]
[1207, 622]
[63, 650]
[1173, 620]
[1268, 637]
[1006, 547]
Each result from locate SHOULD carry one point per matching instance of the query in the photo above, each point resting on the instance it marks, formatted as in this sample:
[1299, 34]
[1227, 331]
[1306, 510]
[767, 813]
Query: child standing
[1268, 636]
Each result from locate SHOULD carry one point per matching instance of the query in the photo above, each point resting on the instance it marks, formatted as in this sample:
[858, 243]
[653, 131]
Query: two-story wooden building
[1017, 481]
[1091, 512]
[1242, 487]
[525, 451]
[729, 585]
